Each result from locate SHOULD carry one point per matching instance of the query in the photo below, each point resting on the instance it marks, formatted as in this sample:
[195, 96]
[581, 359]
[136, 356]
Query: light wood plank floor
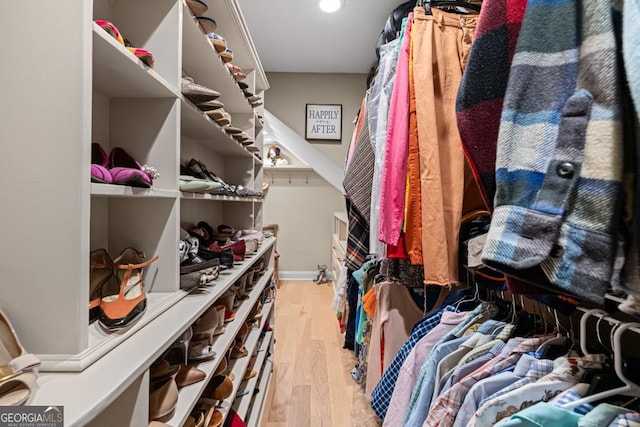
[313, 385]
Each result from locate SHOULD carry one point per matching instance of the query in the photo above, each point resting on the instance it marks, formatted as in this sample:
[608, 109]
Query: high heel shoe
[163, 399]
[18, 369]
[201, 344]
[101, 272]
[125, 308]
[177, 353]
[219, 388]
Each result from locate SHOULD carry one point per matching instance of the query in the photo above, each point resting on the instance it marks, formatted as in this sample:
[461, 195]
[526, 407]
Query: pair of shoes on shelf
[210, 324]
[205, 414]
[119, 168]
[219, 43]
[207, 23]
[204, 98]
[18, 369]
[194, 270]
[236, 72]
[116, 295]
[197, 7]
[163, 391]
[226, 55]
[197, 169]
[239, 350]
[142, 54]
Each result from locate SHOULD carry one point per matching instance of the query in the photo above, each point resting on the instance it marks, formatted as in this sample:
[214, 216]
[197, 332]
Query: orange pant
[413, 208]
[441, 45]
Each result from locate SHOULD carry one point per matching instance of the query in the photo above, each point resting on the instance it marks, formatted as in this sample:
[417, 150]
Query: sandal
[101, 272]
[226, 55]
[18, 369]
[122, 310]
[213, 417]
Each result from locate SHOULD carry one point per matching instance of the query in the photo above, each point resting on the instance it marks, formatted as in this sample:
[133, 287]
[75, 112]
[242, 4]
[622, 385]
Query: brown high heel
[122, 310]
[101, 272]
[201, 344]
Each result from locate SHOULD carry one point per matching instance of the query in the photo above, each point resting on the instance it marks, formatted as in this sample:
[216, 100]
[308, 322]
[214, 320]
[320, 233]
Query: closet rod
[600, 315]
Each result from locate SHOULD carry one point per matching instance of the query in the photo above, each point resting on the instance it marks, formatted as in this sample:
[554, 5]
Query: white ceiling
[295, 36]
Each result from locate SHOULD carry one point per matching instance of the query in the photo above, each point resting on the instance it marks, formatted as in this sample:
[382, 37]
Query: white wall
[304, 211]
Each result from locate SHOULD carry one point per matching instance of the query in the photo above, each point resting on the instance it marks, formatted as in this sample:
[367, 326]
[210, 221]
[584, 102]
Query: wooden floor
[313, 385]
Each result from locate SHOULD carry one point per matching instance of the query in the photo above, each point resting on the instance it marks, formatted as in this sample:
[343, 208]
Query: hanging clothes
[394, 172]
[559, 160]
[441, 46]
[378, 107]
[484, 84]
[395, 315]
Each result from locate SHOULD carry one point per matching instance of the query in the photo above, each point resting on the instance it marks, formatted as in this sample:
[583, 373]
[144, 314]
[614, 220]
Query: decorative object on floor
[121, 310]
[321, 277]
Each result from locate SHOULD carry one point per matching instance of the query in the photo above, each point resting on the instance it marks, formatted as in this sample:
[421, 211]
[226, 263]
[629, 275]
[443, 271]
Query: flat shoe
[111, 29]
[197, 7]
[126, 170]
[226, 55]
[207, 24]
[231, 130]
[197, 93]
[210, 105]
[143, 55]
[99, 165]
[218, 42]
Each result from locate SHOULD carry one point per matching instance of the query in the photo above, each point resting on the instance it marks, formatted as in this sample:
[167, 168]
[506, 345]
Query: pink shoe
[99, 164]
[125, 170]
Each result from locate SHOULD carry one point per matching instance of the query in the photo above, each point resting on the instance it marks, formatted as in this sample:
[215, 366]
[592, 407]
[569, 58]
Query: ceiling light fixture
[330, 6]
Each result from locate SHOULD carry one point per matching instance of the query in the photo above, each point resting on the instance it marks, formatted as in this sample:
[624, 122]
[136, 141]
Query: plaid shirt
[560, 153]
[381, 395]
[458, 331]
[446, 407]
[566, 373]
[478, 357]
[626, 420]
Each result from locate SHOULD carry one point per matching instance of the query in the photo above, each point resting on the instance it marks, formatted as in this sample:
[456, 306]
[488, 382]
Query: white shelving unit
[338, 245]
[92, 89]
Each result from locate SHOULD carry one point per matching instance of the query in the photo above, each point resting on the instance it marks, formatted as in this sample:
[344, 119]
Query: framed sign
[324, 122]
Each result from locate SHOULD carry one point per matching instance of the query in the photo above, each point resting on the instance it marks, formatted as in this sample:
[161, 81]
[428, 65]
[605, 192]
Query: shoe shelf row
[91, 393]
[258, 407]
[239, 368]
[93, 89]
[242, 404]
[188, 396]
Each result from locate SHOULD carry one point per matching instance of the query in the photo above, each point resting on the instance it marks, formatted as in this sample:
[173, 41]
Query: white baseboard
[301, 275]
